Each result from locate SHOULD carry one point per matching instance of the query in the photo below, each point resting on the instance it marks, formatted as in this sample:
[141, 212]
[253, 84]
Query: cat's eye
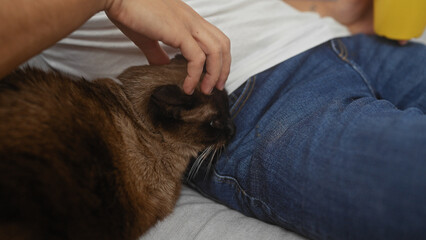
[216, 124]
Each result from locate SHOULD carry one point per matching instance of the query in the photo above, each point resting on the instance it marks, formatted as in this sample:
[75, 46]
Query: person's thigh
[395, 73]
[317, 153]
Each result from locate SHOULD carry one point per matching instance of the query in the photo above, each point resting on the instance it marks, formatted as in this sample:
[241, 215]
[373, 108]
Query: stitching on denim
[271, 211]
[340, 49]
[233, 181]
[252, 83]
[247, 88]
[344, 51]
[233, 98]
[238, 98]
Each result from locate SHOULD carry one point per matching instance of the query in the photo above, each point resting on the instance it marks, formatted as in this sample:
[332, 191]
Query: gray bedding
[198, 218]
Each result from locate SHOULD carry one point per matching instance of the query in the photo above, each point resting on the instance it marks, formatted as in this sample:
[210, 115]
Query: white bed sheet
[198, 218]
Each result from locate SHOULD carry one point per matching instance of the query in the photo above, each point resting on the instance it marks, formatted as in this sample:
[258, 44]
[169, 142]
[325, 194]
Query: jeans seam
[234, 182]
[229, 180]
[244, 96]
[340, 49]
[238, 98]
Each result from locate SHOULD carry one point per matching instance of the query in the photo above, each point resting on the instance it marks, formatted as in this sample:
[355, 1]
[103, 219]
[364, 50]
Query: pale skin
[28, 27]
[357, 15]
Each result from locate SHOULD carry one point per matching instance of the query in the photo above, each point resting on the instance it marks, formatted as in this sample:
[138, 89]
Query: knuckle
[201, 59]
[216, 49]
[227, 42]
[223, 76]
[226, 71]
[224, 42]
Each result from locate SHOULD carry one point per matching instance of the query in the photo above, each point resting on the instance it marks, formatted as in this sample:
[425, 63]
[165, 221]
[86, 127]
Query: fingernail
[208, 92]
[191, 92]
[188, 91]
[221, 86]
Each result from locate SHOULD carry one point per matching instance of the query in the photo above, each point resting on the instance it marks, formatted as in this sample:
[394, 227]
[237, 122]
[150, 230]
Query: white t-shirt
[263, 33]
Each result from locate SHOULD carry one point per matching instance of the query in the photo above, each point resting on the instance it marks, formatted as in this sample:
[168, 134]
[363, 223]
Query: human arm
[28, 27]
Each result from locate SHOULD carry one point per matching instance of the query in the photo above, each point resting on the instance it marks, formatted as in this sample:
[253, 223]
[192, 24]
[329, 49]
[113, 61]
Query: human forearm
[27, 27]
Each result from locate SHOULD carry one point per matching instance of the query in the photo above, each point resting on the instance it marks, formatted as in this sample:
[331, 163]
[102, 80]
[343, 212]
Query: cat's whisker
[210, 162]
[198, 162]
[221, 149]
[209, 154]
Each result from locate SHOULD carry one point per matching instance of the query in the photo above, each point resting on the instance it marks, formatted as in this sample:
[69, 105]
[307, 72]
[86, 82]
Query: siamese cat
[100, 160]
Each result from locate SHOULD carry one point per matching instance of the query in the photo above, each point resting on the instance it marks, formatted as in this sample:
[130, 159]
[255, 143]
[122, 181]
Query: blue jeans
[331, 143]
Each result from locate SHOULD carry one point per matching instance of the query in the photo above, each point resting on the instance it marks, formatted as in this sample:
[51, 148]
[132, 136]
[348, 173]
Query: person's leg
[396, 73]
[317, 153]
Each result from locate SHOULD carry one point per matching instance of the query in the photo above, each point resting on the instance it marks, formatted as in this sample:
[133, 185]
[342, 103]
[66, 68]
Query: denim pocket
[342, 52]
[239, 97]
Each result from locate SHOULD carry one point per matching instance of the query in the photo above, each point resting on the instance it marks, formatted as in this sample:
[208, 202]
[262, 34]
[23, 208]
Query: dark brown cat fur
[99, 160]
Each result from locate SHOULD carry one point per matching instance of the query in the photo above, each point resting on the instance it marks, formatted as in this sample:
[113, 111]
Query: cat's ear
[172, 95]
[171, 99]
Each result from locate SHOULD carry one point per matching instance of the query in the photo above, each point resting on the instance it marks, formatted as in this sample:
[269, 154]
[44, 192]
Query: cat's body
[99, 160]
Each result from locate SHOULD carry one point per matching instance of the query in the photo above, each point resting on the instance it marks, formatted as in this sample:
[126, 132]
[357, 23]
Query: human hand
[176, 24]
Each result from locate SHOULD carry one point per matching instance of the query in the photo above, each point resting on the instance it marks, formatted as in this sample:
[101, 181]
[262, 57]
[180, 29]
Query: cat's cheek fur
[149, 186]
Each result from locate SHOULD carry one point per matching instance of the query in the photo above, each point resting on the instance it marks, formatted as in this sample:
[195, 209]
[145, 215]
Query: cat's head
[196, 119]
[157, 96]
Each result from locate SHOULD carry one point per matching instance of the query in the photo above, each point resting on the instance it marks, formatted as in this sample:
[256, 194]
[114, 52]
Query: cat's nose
[230, 127]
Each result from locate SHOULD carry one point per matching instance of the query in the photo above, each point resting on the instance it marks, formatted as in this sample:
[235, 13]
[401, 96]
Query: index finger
[213, 70]
[196, 59]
